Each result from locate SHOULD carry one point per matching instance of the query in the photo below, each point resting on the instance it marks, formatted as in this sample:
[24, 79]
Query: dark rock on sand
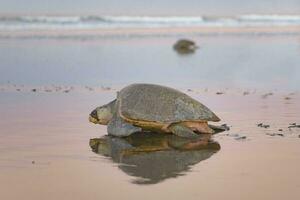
[294, 126]
[275, 134]
[219, 93]
[34, 90]
[241, 138]
[263, 125]
[185, 46]
[266, 95]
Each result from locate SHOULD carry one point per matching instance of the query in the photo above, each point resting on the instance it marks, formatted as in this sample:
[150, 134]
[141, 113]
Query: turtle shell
[155, 103]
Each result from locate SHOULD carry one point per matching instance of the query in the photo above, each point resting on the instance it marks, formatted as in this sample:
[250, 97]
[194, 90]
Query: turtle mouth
[97, 121]
[94, 117]
[93, 120]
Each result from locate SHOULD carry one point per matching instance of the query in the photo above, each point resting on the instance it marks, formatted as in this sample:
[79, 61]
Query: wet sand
[142, 32]
[45, 151]
[48, 88]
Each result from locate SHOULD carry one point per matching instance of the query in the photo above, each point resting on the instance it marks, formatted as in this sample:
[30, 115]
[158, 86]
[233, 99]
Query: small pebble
[189, 90]
[294, 126]
[66, 91]
[245, 93]
[233, 135]
[287, 98]
[34, 90]
[219, 93]
[263, 125]
[266, 95]
[275, 134]
[33, 162]
[89, 88]
[241, 138]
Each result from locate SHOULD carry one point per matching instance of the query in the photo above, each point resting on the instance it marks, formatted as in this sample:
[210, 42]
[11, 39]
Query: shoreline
[280, 30]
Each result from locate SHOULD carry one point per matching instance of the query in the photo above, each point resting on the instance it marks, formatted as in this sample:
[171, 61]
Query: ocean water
[66, 15]
[154, 7]
[92, 22]
[245, 61]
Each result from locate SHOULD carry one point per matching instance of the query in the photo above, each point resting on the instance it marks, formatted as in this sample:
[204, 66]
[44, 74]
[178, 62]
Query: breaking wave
[19, 23]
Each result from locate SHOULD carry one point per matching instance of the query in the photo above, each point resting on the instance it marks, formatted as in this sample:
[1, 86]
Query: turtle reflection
[153, 157]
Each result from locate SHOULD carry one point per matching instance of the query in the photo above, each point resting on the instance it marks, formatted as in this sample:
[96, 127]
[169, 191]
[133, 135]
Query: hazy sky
[146, 7]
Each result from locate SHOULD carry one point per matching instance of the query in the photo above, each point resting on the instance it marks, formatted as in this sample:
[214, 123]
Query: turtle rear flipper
[183, 131]
[118, 127]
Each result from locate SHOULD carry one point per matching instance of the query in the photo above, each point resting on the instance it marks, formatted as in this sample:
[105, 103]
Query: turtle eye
[94, 114]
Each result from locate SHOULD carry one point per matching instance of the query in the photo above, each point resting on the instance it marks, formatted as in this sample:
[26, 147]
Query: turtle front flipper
[118, 127]
[182, 131]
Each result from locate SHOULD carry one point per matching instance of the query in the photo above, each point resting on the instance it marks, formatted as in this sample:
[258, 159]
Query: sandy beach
[50, 81]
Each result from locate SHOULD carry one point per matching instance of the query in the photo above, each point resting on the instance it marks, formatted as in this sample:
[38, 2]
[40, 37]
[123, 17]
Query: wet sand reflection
[152, 157]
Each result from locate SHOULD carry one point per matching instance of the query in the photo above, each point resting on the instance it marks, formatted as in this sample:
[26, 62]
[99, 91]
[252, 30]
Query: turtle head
[103, 114]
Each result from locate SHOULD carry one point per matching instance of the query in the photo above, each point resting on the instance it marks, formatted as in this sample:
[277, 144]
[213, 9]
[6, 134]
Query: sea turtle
[148, 107]
[185, 46]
